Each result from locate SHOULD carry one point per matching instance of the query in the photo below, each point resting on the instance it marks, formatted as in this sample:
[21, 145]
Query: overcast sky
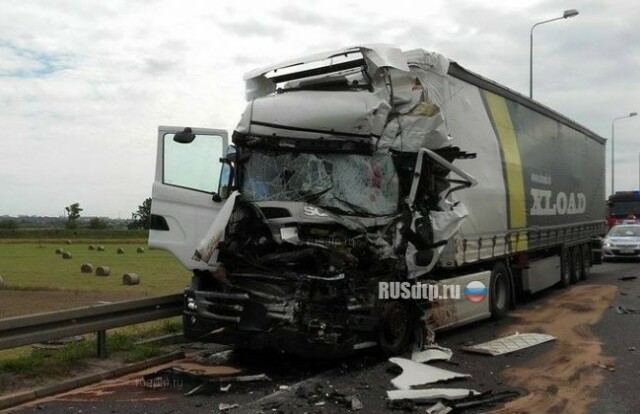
[84, 84]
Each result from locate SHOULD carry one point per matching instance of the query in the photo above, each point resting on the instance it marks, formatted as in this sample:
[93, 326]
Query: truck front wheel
[499, 291]
[397, 326]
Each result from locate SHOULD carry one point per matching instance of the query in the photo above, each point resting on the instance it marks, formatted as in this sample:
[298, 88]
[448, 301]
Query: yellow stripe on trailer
[512, 167]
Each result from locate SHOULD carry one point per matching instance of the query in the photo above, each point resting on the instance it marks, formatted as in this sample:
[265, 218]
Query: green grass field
[39, 280]
[35, 266]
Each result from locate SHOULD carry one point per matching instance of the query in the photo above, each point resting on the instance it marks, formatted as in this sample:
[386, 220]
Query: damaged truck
[366, 165]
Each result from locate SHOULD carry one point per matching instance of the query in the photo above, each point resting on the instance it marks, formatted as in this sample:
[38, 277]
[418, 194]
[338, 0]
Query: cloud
[23, 63]
[85, 85]
[252, 28]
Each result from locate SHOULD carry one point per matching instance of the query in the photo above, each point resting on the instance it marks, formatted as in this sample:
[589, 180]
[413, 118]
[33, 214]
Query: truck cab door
[185, 198]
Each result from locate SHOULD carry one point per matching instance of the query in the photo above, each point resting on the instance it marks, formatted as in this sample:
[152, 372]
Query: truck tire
[397, 327]
[586, 261]
[499, 291]
[576, 260]
[565, 268]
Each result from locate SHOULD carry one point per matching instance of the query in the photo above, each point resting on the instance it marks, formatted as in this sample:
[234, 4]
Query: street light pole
[567, 14]
[613, 161]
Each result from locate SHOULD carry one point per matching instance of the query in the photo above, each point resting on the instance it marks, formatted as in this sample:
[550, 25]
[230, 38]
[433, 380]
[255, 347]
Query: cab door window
[194, 165]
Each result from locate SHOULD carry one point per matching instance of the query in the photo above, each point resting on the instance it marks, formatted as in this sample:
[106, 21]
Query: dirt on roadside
[565, 379]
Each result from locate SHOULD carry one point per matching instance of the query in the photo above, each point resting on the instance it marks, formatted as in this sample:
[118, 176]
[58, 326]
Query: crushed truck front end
[353, 170]
[327, 209]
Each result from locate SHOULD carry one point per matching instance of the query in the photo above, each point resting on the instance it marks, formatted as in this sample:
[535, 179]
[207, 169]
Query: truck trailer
[368, 166]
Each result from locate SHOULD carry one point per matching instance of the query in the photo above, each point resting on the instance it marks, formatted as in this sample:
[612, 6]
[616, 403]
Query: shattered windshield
[346, 183]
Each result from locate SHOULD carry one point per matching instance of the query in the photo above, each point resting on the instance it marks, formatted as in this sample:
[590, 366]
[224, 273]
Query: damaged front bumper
[307, 315]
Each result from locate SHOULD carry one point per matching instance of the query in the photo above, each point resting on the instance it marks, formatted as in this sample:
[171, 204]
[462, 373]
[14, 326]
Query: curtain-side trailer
[365, 167]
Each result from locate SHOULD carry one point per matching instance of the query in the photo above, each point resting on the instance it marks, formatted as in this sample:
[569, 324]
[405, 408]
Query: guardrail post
[101, 339]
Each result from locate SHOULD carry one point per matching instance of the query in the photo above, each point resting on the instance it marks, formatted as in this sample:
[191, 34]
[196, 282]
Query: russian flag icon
[475, 291]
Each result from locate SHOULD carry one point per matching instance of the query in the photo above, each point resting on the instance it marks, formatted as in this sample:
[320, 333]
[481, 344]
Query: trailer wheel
[565, 268]
[586, 261]
[499, 291]
[397, 326]
[576, 260]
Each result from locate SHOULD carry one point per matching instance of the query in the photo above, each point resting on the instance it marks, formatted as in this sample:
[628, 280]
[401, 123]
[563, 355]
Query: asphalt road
[593, 366]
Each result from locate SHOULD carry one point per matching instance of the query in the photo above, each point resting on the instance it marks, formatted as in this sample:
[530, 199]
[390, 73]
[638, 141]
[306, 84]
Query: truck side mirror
[226, 179]
[185, 137]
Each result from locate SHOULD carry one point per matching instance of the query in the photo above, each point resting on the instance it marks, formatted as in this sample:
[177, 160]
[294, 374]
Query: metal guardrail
[31, 329]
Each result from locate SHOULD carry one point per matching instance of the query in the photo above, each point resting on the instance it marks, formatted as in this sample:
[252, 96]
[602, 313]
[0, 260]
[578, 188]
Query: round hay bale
[130, 279]
[86, 268]
[140, 249]
[59, 251]
[68, 241]
[92, 247]
[67, 255]
[103, 271]
[100, 248]
[120, 250]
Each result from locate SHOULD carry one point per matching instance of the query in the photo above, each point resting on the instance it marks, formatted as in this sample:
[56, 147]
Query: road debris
[214, 358]
[401, 405]
[415, 373]
[356, 404]
[439, 408]
[608, 366]
[431, 394]
[318, 395]
[627, 278]
[432, 353]
[509, 344]
[201, 377]
[624, 310]
[227, 407]
[486, 398]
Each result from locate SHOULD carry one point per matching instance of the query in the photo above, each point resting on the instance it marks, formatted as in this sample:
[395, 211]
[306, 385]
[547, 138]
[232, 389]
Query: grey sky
[84, 85]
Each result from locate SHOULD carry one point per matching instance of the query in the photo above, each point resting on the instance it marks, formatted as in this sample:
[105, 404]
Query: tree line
[140, 219]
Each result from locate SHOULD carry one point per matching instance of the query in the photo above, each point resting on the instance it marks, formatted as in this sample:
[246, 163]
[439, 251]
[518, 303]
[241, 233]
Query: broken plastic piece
[226, 407]
[509, 344]
[356, 404]
[439, 408]
[196, 390]
[225, 388]
[415, 373]
[432, 353]
[431, 394]
[623, 310]
[209, 244]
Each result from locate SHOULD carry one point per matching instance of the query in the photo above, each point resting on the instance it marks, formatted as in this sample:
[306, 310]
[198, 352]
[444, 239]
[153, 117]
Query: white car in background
[622, 241]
